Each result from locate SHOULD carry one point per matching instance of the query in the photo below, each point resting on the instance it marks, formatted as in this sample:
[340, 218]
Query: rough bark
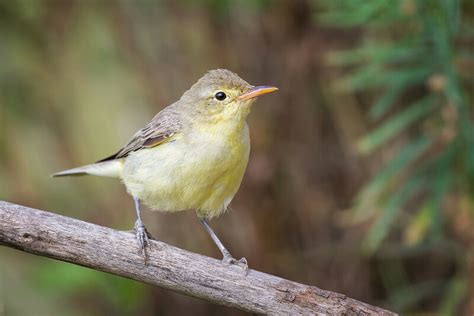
[100, 248]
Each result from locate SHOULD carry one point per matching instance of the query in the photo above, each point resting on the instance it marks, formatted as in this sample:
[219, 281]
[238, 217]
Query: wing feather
[161, 129]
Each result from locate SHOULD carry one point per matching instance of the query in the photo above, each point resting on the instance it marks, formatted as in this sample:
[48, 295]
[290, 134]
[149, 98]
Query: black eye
[220, 96]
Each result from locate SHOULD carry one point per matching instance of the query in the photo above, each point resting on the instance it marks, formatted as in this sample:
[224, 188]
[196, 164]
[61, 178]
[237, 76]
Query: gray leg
[140, 230]
[227, 258]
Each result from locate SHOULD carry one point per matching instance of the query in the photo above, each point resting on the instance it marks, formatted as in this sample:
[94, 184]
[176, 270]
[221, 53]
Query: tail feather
[110, 168]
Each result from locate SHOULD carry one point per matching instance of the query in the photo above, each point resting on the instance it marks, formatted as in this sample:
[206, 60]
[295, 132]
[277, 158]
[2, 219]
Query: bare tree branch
[100, 248]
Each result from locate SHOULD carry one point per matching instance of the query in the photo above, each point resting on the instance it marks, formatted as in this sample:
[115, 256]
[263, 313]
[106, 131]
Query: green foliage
[125, 295]
[409, 58]
[397, 123]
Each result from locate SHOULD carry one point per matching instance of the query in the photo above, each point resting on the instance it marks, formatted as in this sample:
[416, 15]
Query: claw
[142, 237]
[242, 262]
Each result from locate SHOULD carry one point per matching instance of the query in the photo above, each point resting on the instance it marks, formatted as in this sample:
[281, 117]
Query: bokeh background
[361, 174]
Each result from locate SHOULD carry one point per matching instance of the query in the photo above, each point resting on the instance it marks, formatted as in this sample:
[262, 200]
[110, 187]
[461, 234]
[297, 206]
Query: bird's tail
[110, 168]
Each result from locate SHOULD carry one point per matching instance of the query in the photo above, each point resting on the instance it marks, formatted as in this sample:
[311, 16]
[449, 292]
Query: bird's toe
[242, 262]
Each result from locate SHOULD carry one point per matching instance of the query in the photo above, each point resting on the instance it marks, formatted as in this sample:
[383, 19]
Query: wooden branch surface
[100, 248]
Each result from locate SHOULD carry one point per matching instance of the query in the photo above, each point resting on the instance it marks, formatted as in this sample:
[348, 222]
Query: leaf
[387, 216]
[362, 78]
[440, 186]
[370, 194]
[452, 8]
[355, 13]
[377, 75]
[395, 125]
[376, 53]
[455, 292]
[418, 227]
[387, 99]
[406, 155]
[410, 295]
[397, 81]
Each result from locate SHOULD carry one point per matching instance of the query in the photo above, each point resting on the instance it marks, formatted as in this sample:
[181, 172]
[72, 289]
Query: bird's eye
[220, 96]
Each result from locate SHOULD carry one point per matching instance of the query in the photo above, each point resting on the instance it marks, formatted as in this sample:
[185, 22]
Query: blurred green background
[361, 175]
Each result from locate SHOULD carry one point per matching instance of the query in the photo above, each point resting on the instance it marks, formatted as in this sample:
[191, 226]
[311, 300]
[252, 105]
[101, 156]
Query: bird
[191, 156]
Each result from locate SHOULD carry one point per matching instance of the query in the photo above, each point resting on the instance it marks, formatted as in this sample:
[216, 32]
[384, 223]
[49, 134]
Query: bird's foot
[242, 262]
[143, 238]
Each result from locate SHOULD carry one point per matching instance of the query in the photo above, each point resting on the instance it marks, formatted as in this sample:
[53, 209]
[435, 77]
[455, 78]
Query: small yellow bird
[192, 155]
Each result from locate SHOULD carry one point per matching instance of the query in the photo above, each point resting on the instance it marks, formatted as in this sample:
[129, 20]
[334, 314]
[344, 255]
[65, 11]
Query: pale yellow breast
[201, 171]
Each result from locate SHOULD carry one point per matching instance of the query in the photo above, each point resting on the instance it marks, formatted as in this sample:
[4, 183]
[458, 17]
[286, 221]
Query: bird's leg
[227, 258]
[140, 230]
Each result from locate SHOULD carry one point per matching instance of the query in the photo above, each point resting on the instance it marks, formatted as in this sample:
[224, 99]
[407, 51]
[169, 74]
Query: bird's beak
[255, 92]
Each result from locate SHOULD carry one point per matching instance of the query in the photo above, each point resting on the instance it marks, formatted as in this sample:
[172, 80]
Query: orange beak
[256, 92]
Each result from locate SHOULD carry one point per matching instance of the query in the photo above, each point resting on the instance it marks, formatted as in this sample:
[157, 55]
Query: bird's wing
[161, 129]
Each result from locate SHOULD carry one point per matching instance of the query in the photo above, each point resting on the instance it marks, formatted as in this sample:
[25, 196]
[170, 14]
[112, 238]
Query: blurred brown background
[78, 78]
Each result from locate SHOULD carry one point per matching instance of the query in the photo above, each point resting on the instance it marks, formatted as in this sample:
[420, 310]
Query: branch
[100, 248]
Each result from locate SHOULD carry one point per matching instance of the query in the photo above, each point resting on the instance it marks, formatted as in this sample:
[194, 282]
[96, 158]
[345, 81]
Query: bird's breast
[199, 170]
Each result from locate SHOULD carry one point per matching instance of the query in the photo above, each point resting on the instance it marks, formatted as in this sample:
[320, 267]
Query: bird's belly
[180, 175]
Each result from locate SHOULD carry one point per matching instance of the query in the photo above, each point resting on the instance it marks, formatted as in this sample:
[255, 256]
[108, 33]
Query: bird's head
[221, 95]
